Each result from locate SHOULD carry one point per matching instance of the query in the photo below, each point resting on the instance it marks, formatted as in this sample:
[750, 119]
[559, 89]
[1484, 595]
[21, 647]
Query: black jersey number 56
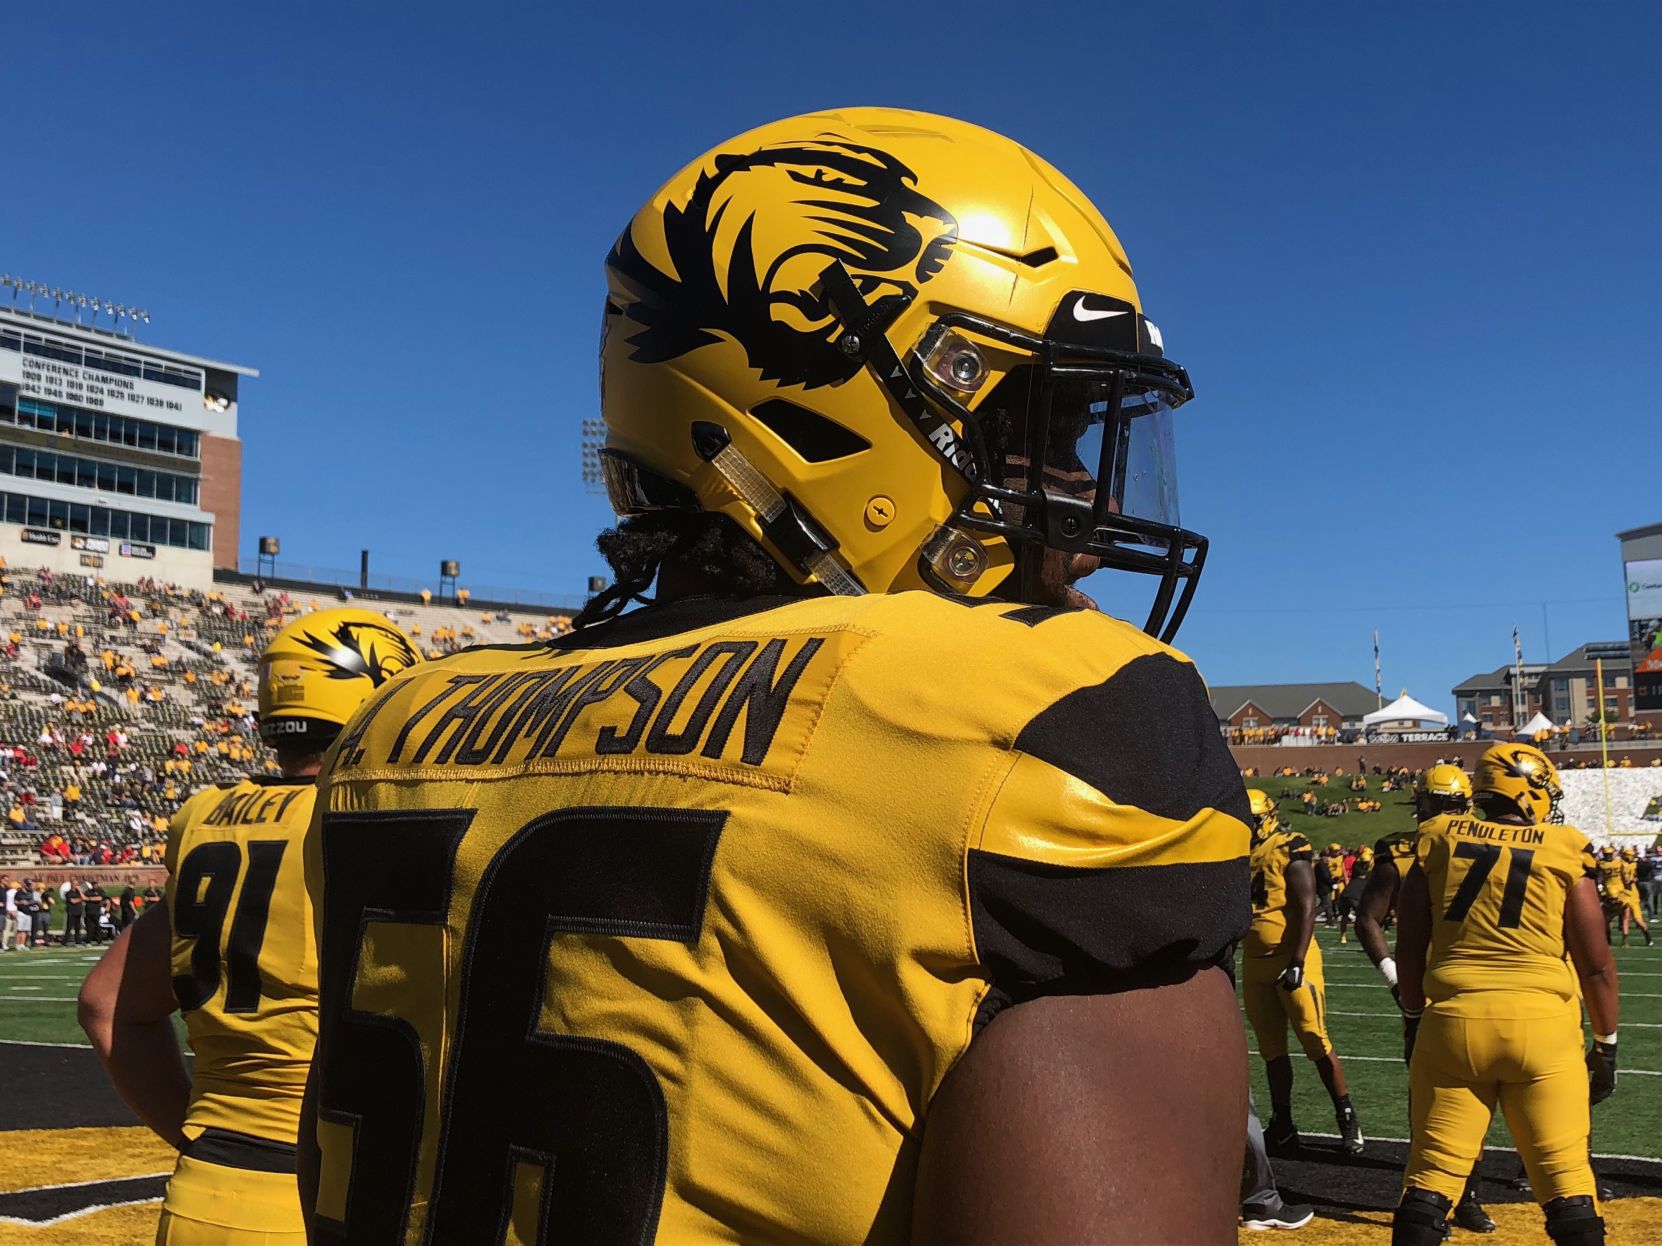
[565, 1136]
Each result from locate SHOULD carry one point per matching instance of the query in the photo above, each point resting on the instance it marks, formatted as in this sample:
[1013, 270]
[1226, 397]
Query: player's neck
[678, 580]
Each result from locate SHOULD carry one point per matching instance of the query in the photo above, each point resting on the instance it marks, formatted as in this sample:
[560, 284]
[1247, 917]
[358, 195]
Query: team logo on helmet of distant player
[1523, 766]
[361, 649]
[852, 203]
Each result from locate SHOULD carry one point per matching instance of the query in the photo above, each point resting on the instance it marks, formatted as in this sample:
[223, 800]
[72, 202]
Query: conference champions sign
[1644, 632]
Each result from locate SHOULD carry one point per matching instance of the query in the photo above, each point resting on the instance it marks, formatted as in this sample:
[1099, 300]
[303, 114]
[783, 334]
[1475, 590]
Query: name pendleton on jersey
[1471, 828]
[514, 717]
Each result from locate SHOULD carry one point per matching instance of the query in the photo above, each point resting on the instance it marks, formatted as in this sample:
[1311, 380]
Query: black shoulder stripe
[1048, 929]
[1032, 616]
[1146, 736]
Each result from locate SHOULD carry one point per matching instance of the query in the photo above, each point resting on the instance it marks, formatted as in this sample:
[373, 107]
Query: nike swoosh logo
[1081, 312]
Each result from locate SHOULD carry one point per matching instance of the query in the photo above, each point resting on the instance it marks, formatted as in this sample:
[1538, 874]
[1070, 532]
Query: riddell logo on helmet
[947, 443]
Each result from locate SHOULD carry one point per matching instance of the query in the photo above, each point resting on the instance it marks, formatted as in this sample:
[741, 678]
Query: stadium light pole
[593, 438]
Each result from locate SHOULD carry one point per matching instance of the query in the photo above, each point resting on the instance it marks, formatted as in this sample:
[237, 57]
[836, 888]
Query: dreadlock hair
[704, 544]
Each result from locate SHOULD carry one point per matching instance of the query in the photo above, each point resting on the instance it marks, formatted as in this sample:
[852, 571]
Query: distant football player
[867, 884]
[1355, 885]
[1488, 910]
[1443, 790]
[1620, 875]
[1281, 977]
[1333, 866]
[232, 950]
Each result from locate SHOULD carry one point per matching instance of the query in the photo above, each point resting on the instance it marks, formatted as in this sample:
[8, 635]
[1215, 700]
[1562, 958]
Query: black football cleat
[1350, 1131]
[1469, 1214]
[1281, 1138]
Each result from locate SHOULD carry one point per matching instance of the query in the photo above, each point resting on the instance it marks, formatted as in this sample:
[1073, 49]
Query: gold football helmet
[899, 351]
[1630, 853]
[1264, 813]
[1442, 789]
[1524, 775]
[321, 667]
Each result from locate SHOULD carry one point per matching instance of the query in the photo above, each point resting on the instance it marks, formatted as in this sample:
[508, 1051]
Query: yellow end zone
[55, 1157]
[1630, 1222]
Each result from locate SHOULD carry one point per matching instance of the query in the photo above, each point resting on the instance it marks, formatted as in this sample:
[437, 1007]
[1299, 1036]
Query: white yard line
[1376, 986]
[1647, 1159]
[1395, 1016]
[79, 1211]
[1345, 1057]
[25, 1042]
[72, 1185]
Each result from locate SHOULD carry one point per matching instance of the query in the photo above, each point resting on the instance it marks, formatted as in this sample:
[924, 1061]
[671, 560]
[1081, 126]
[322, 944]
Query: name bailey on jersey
[721, 700]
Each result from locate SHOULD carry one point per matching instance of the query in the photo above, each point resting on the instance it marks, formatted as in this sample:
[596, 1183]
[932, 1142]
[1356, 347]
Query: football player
[1281, 979]
[1354, 886]
[1487, 912]
[232, 950]
[1333, 860]
[1444, 789]
[1631, 910]
[846, 891]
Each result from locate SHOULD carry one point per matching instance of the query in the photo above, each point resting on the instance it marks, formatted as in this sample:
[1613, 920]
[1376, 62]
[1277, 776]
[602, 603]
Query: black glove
[1410, 1031]
[1396, 996]
[1601, 1071]
[1292, 977]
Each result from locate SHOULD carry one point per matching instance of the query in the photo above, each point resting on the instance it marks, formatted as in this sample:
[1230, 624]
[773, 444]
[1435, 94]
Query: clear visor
[1120, 454]
[1140, 473]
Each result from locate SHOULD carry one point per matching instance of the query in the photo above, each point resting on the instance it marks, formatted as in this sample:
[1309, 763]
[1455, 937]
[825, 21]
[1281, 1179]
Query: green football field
[37, 1005]
[1367, 1033]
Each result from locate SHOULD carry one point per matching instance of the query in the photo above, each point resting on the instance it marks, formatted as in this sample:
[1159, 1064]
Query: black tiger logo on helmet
[854, 204]
[355, 649]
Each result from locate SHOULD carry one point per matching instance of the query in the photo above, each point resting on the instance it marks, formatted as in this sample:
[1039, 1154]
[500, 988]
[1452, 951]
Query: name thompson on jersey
[687, 702]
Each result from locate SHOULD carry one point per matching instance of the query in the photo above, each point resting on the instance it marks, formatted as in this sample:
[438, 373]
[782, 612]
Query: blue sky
[1410, 257]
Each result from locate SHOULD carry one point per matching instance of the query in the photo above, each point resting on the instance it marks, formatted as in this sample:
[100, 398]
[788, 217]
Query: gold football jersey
[1497, 914]
[244, 961]
[1270, 858]
[670, 930]
[1613, 877]
[1397, 848]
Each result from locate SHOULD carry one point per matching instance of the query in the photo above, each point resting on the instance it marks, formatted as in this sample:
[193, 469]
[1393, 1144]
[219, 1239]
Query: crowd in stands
[119, 700]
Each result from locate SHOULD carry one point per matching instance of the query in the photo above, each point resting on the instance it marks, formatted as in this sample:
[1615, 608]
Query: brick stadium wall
[1267, 757]
[222, 494]
[104, 875]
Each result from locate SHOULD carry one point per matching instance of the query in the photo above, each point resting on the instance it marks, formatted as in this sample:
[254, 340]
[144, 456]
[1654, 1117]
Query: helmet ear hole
[814, 437]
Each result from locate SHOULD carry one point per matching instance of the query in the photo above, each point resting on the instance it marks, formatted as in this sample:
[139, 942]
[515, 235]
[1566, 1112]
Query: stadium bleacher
[117, 700]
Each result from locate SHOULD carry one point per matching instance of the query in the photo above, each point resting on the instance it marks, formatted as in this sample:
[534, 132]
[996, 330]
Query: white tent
[1404, 714]
[1539, 723]
[1467, 718]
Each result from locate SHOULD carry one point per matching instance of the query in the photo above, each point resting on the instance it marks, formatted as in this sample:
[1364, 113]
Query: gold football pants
[1532, 1067]
[1270, 1009]
[216, 1205]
